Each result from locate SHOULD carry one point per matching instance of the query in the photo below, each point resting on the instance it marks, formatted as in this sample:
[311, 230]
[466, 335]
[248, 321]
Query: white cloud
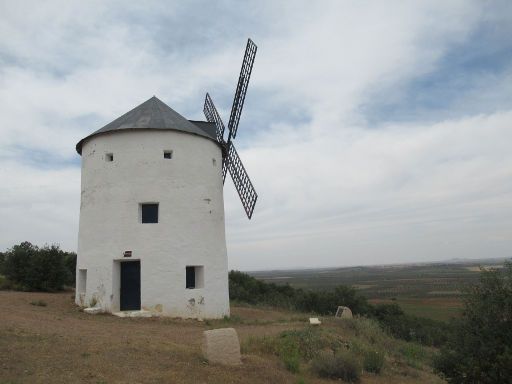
[414, 187]
[333, 189]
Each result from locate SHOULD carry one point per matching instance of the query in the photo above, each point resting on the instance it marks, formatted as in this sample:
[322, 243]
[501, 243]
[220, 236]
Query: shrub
[39, 269]
[341, 365]
[294, 346]
[367, 329]
[290, 356]
[5, 283]
[479, 350]
[373, 361]
[308, 341]
[39, 303]
[411, 328]
[413, 354]
[2, 262]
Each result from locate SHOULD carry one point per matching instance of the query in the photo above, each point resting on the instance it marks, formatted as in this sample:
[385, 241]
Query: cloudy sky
[374, 132]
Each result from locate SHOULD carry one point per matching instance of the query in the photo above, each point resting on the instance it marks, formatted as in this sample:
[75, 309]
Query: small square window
[109, 157]
[167, 154]
[149, 213]
[194, 277]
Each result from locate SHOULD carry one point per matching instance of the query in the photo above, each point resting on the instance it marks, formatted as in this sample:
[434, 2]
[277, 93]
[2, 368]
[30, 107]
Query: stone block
[221, 346]
[314, 321]
[343, 313]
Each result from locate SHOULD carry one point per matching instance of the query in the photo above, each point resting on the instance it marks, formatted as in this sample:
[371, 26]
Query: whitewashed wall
[190, 230]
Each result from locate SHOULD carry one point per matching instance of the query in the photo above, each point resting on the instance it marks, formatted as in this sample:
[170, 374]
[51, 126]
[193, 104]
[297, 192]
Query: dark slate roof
[154, 114]
[206, 126]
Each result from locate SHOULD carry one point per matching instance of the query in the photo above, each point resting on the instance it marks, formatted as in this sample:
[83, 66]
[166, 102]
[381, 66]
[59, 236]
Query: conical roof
[153, 114]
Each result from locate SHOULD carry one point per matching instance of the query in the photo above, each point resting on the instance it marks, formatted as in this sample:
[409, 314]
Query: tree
[2, 263]
[40, 269]
[17, 262]
[480, 349]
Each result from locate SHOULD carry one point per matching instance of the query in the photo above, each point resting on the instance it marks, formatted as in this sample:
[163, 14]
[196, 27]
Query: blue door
[130, 285]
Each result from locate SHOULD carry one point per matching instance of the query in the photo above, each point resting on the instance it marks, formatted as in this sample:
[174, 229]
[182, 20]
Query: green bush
[367, 329]
[2, 262]
[480, 348]
[290, 356]
[32, 268]
[5, 283]
[411, 328]
[342, 365]
[308, 341]
[295, 346]
[373, 361]
[414, 355]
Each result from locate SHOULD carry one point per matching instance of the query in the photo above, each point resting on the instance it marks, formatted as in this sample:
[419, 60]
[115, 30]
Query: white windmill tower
[151, 233]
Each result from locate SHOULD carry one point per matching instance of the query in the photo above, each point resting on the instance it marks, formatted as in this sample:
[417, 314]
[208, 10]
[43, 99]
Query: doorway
[130, 286]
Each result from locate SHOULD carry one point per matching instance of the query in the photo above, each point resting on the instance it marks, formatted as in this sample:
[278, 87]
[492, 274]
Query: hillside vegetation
[247, 289]
[44, 338]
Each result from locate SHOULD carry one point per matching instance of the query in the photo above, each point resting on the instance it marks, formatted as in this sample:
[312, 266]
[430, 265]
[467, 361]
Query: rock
[93, 310]
[221, 346]
[343, 313]
[314, 321]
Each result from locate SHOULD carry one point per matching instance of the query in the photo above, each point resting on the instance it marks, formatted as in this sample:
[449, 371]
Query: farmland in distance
[431, 290]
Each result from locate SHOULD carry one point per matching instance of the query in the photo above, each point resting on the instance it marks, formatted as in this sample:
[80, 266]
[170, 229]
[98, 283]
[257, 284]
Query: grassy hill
[45, 338]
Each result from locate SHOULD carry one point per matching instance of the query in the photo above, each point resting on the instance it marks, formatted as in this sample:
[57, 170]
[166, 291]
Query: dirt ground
[57, 343]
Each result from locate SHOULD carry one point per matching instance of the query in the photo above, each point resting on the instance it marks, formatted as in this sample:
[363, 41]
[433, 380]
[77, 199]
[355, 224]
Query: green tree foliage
[245, 288]
[411, 328]
[39, 269]
[2, 262]
[480, 349]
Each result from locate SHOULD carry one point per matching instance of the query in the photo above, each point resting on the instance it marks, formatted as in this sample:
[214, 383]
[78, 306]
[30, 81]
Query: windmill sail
[241, 89]
[213, 117]
[230, 160]
[243, 184]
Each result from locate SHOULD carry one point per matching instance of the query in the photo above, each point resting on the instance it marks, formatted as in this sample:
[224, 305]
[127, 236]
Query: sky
[374, 132]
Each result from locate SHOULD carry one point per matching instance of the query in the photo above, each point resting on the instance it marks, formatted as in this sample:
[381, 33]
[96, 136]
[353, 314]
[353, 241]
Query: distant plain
[431, 290]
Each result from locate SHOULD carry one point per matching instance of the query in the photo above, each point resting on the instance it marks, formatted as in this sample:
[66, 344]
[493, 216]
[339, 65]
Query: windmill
[152, 233]
[230, 160]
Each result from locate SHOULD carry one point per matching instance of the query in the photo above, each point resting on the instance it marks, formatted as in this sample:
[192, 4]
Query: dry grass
[59, 344]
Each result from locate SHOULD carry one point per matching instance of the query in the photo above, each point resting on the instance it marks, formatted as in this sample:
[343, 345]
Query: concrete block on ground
[139, 313]
[93, 310]
[314, 321]
[221, 346]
